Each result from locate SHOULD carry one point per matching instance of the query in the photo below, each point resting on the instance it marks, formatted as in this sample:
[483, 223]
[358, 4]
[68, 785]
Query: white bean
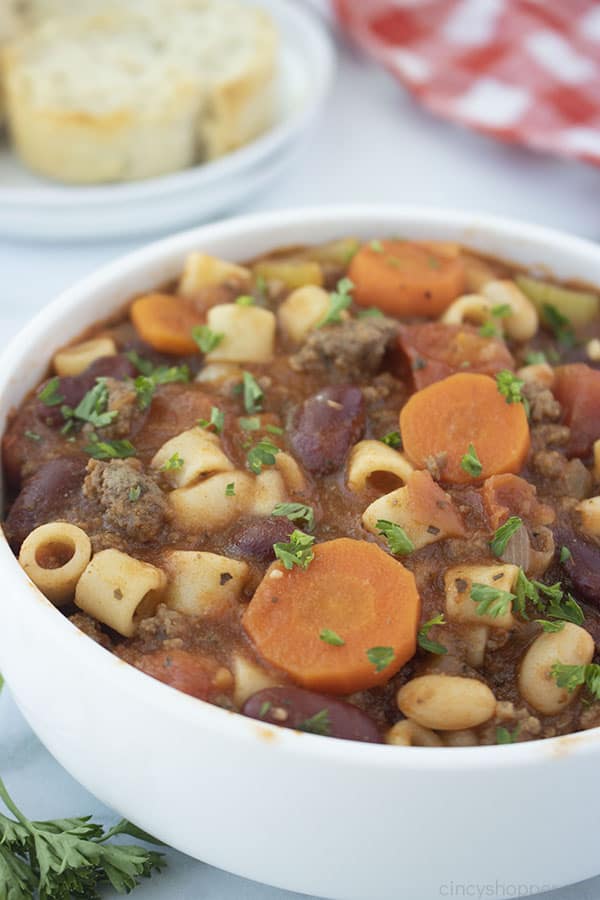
[407, 733]
[572, 646]
[446, 702]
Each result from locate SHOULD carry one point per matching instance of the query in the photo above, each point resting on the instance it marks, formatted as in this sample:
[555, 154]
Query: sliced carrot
[509, 495]
[351, 588]
[436, 350]
[165, 322]
[443, 419]
[405, 279]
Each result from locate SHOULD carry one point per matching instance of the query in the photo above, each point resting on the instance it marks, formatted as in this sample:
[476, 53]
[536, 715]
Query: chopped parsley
[565, 554]
[273, 429]
[245, 300]
[297, 552]
[93, 407]
[370, 313]
[504, 736]
[33, 436]
[320, 723]
[339, 300]
[559, 325]
[380, 657]
[174, 463]
[491, 601]
[397, 539]
[109, 449]
[296, 512]
[535, 358]
[424, 640]
[206, 338]
[151, 376]
[471, 463]
[216, 421]
[501, 310]
[488, 329]
[331, 637]
[392, 439]
[262, 454]
[250, 423]
[550, 627]
[50, 394]
[253, 394]
[230, 489]
[135, 492]
[503, 534]
[265, 706]
[376, 245]
[510, 387]
[572, 677]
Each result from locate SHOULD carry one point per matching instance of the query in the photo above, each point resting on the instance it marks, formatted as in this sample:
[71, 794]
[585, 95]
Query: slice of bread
[141, 90]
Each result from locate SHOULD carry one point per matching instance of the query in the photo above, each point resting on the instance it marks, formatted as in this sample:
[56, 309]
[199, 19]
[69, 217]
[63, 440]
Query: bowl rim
[167, 701]
[311, 36]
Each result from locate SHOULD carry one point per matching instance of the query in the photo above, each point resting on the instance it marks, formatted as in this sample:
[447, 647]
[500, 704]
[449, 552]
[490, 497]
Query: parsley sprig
[216, 421]
[98, 449]
[380, 657]
[549, 600]
[152, 376]
[206, 338]
[65, 858]
[93, 407]
[252, 393]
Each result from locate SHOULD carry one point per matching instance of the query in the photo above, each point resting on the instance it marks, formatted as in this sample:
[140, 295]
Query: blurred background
[489, 105]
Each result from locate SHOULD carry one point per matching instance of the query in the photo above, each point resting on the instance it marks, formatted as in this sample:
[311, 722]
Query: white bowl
[334, 818]
[33, 207]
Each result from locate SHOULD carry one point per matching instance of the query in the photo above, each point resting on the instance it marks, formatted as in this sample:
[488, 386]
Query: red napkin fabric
[526, 71]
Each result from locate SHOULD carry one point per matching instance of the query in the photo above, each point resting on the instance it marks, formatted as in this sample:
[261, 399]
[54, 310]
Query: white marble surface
[374, 144]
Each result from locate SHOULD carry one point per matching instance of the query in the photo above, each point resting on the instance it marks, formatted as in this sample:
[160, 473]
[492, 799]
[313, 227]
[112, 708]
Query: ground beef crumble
[133, 504]
[349, 351]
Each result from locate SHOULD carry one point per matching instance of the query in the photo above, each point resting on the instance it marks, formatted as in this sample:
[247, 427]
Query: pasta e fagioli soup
[349, 489]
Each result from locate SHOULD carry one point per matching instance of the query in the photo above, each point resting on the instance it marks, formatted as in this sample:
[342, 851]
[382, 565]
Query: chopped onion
[518, 549]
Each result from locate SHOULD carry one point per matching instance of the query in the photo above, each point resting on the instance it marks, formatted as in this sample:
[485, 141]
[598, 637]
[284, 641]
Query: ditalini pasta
[351, 489]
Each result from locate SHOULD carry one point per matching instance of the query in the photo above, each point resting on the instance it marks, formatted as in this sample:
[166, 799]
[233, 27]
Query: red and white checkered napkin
[521, 70]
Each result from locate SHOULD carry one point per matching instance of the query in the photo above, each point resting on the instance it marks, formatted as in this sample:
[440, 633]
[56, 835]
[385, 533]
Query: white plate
[33, 207]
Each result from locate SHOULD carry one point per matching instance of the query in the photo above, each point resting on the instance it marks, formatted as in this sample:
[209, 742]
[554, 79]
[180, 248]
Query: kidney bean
[583, 567]
[117, 366]
[44, 495]
[254, 538]
[326, 426]
[293, 707]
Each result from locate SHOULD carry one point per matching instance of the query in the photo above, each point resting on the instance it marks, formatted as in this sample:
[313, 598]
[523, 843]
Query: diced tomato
[510, 495]
[429, 503]
[186, 671]
[436, 350]
[577, 389]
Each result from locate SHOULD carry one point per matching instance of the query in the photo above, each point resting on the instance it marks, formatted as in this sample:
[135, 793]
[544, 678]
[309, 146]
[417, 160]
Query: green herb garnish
[503, 534]
[253, 394]
[245, 300]
[370, 313]
[491, 601]
[206, 338]
[471, 463]
[331, 637]
[33, 436]
[64, 858]
[297, 552]
[320, 723]
[392, 439]
[381, 657]
[109, 449]
[230, 489]
[135, 493]
[504, 736]
[572, 677]
[216, 421]
[510, 387]
[423, 636]
[174, 463]
[93, 407]
[565, 555]
[397, 539]
[262, 454]
[50, 394]
[250, 423]
[339, 300]
[559, 325]
[296, 512]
